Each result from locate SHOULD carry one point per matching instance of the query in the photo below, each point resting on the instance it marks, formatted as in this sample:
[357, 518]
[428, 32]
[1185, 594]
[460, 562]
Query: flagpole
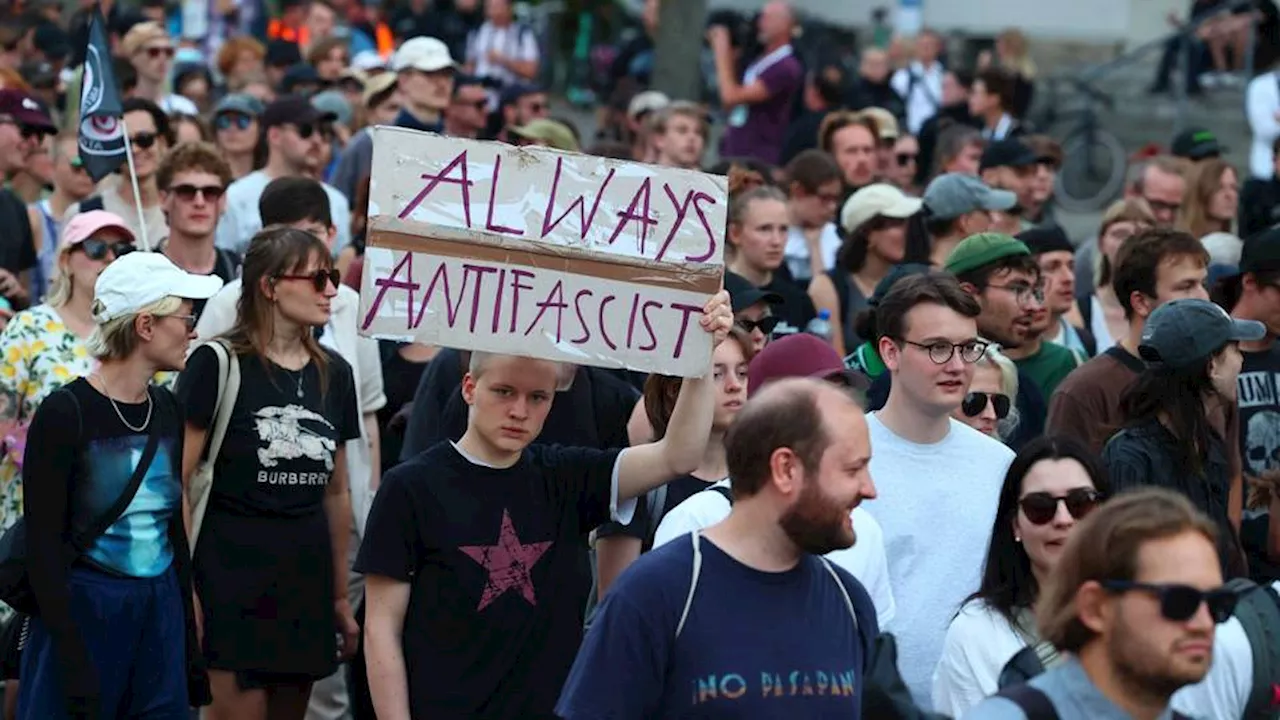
[133, 178]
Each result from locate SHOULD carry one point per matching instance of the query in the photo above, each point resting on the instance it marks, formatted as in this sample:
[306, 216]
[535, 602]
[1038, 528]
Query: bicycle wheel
[1092, 172]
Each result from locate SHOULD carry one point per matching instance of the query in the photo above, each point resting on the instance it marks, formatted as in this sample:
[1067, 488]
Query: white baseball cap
[138, 279]
[880, 199]
[422, 53]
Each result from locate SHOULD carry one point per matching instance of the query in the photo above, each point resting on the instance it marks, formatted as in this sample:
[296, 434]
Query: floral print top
[39, 356]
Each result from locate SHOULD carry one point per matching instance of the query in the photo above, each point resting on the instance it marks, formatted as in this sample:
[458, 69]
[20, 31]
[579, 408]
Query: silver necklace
[301, 374]
[145, 422]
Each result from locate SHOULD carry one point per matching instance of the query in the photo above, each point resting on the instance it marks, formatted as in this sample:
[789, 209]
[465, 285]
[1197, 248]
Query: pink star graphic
[509, 563]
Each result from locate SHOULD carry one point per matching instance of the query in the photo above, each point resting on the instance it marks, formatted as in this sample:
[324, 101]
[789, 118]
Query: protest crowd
[791, 401]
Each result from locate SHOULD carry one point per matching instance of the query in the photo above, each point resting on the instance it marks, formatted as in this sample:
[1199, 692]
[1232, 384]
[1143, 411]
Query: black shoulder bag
[15, 586]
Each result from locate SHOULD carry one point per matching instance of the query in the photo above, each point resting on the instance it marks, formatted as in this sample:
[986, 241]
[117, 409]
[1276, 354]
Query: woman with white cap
[874, 225]
[107, 557]
[44, 347]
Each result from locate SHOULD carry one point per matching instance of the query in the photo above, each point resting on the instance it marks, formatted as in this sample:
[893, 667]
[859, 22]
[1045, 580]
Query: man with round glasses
[1137, 595]
[938, 479]
[1002, 274]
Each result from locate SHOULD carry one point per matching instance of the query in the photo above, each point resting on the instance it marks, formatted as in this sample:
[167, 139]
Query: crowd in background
[936, 443]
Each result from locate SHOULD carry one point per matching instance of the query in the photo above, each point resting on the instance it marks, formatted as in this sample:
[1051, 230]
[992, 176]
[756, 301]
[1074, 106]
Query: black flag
[101, 132]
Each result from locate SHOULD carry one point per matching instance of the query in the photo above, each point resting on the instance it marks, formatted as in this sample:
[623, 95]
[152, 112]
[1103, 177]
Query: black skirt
[266, 586]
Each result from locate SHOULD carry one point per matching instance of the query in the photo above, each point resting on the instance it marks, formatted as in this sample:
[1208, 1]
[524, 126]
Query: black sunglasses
[305, 130]
[905, 159]
[1041, 507]
[764, 324]
[187, 193]
[1180, 603]
[144, 140]
[226, 120]
[975, 402]
[319, 279]
[96, 249]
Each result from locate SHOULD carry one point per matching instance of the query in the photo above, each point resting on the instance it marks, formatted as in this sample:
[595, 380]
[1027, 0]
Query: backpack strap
[1033, 702]
[655, 501]
[726, 493]
[1258, 610]
[693, 580]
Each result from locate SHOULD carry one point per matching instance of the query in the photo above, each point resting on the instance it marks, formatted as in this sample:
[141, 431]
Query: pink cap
[86, 224]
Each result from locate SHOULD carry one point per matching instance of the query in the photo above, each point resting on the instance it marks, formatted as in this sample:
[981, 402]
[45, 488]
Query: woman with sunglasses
[1051, 484]
[874, 221]
[115, 631]
[43, 348]
[988, 406]
[1191, 347]
[270, 562]
[149, 135]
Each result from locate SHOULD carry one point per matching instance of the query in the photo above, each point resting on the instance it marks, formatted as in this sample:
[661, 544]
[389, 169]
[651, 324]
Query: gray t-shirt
[1070, 690]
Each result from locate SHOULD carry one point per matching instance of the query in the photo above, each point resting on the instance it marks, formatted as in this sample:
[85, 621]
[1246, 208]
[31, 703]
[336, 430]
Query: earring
[1017, 538]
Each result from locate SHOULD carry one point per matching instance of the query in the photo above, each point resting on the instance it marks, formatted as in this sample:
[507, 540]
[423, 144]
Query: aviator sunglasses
[1041, 507]
[319, 279]
[1179, 603]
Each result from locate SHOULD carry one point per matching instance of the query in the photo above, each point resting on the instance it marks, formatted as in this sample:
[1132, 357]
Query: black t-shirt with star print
[492, 556]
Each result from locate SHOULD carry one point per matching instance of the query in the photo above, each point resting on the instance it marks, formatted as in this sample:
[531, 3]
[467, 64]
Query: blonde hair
[1008, 386]
[116, 339]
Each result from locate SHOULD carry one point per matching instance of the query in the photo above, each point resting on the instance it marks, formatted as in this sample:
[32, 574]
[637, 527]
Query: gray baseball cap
[239, 103]
[955, 194]
[1183, 333]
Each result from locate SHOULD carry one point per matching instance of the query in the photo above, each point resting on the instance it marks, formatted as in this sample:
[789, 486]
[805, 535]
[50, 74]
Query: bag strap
[1258, 611]
[113, 513]
[228, 391]
[1033, 702]
[693, 581]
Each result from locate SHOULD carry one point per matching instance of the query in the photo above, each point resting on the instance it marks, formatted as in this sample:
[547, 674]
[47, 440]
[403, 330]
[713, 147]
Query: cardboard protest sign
[531, 251]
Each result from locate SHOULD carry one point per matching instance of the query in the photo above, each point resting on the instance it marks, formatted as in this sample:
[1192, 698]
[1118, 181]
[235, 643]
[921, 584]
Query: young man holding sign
[471, 547]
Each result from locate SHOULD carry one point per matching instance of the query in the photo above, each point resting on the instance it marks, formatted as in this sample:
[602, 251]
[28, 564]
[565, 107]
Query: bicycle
[1094, 162]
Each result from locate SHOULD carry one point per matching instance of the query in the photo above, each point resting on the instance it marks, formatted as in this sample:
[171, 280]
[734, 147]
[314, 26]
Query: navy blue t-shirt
[754, 644]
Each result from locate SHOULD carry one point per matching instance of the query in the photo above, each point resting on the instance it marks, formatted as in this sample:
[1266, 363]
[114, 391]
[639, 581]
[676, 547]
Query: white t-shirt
[796, 252]
[1261, 102]
[865, 560]
[936, 504]
[241, 220]
[1224, 692]
[979, 643]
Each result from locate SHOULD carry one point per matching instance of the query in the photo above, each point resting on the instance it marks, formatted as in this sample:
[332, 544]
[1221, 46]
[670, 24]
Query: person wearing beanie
[999, 272]
[1055, 254]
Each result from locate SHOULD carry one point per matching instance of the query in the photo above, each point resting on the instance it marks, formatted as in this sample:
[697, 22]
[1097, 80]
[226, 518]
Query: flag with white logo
[102, 138]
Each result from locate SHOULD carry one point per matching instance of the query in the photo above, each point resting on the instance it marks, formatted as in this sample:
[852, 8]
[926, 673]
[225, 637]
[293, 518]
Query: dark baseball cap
[1261, 252]
[954, 194]
[1183, 333]
[1046, 238]
[800, 355]
[742, 294]
[293, 110]
[1196, 144]
[1007, 153]
[25, 110]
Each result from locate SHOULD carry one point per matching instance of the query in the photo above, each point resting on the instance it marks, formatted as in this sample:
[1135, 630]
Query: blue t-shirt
[753, 645]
